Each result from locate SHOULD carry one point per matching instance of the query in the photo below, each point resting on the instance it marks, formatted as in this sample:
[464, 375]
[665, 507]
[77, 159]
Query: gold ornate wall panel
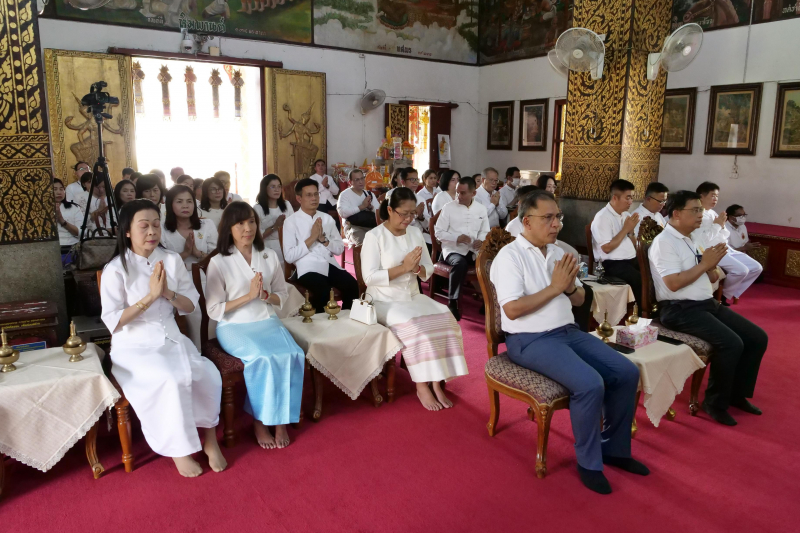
[26, 195]
[296, 122]
[70, 74]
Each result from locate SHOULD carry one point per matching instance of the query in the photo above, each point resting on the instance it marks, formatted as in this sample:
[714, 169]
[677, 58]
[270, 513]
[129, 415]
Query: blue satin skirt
[273, 368]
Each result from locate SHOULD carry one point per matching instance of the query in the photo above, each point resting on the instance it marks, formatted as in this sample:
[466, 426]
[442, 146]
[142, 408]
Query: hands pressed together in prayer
[630, 223]
[721, 219]
[565, 271]
[257, 291]
[412, 259]
[190, 248]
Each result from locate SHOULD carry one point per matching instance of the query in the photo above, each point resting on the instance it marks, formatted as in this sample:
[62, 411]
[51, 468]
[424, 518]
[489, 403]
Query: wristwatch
[174, 296]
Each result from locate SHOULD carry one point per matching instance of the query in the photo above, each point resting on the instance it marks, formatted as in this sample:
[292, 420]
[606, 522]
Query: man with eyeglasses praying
[655, 197]
[537, 287]
[613, 239]
[682, 276]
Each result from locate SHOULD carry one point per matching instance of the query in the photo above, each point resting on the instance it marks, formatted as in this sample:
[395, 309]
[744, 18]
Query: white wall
[351, 137]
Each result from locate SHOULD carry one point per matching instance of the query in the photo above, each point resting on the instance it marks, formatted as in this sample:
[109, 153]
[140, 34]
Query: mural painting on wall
[427, 29]
[280, 20]
[769, 10]
[517, 29]
[710, 14]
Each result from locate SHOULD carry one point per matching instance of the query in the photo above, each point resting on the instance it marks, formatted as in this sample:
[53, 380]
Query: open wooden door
[440, 125]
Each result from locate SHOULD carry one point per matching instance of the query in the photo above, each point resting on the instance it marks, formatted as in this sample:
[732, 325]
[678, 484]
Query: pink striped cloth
[429, 338]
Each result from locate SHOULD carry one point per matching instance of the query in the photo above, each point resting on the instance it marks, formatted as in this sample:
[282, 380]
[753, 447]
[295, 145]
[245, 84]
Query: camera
[97, 100]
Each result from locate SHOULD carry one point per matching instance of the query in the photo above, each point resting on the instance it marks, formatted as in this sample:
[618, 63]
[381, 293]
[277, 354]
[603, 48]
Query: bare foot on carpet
[263, 436]
[188, 467]
[426, 397]
[444, 400]
[216, 460]
[282, 436]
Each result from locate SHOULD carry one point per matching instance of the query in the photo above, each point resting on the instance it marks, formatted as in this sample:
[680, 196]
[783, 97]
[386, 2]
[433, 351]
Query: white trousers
[741, 271]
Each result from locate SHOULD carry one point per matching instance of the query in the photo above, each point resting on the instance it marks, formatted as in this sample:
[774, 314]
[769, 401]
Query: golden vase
[307, 311]
[332, 308]
[8, 355]
[74, 346]
[605, 330]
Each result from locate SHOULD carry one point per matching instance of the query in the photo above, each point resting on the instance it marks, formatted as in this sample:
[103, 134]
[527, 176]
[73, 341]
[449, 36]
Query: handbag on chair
[96, 251]
[363, 311]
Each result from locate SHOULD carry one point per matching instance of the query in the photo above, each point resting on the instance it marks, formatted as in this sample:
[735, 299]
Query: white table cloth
[663, 369]
[48, 404]
[347, 352]
[611, 298]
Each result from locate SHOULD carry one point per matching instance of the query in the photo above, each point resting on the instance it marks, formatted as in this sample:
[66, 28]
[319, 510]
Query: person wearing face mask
[613, 239]
[508, 192]
[741, 270]
[738, 239]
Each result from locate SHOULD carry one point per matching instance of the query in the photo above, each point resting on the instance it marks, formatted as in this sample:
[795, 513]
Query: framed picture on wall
[677, 132]
[786, 130]
[501, 126]
[733, 114]
[533, 125]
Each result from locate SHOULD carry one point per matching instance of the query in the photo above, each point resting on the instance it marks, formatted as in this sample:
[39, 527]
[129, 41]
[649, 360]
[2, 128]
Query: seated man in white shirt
[328, 189]
[738, 239]
[461, 228]
[613, 239]
[741, 270]
[357, 208]
[77, 188]
[536, 288]
[425, 197]
[81, 199]
[310, 242]
[490, 197]
[225, 178]
[682, 278]
[508, 192]
[655, 197]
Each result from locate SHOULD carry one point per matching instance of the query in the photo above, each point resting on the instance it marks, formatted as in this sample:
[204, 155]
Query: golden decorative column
[613, 125]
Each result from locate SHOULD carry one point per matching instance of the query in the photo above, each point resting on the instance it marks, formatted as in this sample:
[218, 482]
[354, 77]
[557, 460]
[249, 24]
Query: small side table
[611, 298]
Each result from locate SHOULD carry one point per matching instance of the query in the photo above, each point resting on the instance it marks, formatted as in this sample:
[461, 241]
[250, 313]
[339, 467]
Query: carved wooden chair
[543, 395]
[290, 272]
[589, 247]
[648, 230]
[440, 268]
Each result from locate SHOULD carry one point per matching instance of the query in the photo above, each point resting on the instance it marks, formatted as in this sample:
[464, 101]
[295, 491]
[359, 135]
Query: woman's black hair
[205, 203]
[64, 202]
[395, 173]
[197, 183]
[86, 177]
[147, 182]
[263, 199]
[171, 222]
[541, 182]
[184, 177]
[79, 163]
[447, 175]
[403, 173]
[126, 215]
[118, 189]
[236, 212]
[398, 196]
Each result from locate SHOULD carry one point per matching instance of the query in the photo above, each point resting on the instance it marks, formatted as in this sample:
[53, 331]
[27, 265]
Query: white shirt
[350, 203]
[382, 250]
[229, 278]
[672, 253]
[507, 195]
[266, 220]
[643, 213]
[74, 216]
[326, 194]
[605, 226]
[710, 233]
[423, 196]
[515, 228]
[120, 290]
[496, 212]
[296, 229]
[214, 215]
[520, 270]
[94, 205]
[456, 220]
[737, 237]
[76, 194]
[440, 200]
[205, 240]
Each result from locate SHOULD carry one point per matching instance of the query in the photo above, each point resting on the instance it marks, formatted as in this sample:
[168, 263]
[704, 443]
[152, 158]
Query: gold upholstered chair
[543, 395]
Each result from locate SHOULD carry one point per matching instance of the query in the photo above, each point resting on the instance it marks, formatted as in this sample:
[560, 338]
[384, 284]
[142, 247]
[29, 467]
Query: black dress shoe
[626, 463]
[453, 305]
[745, 405]
[724, 301]
[594, 480]
[720, 415]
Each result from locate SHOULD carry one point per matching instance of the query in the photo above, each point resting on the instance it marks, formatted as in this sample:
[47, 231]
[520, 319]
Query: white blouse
[74, 216]
[121, 289]
[383, 250]
[266, 220]
[229, 278]
[214, 215]
[441, 199]
[205, 239]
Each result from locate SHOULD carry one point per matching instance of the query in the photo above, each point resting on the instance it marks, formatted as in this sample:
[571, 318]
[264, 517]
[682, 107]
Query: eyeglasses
[404, 216]
[548, 219]
[662, 202]
[695, 210]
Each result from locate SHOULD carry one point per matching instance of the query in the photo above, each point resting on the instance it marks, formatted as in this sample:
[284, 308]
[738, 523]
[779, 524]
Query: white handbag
[363, 311]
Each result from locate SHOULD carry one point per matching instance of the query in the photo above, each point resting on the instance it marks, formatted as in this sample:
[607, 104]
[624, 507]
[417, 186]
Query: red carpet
[400, 468]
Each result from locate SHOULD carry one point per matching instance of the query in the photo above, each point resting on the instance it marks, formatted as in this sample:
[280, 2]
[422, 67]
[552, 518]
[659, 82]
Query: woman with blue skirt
[244, 286]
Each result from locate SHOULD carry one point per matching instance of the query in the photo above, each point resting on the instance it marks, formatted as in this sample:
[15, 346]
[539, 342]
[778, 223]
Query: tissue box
[637, 339]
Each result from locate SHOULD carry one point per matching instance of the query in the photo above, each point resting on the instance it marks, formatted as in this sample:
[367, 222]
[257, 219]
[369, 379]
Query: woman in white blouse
[448, 184]
[271, 210]
[172, 388]
[213, 200]
[393, 256]
[69, 217]
[245, 285]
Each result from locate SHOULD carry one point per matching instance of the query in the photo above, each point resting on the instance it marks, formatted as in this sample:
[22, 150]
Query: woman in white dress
[172, 388]
[447, 183]
[213, 201]
[393, 256]
[245, 287]
[272, 210]
[69, 218]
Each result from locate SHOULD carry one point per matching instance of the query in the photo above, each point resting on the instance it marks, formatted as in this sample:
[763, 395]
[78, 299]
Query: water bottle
[583, 271]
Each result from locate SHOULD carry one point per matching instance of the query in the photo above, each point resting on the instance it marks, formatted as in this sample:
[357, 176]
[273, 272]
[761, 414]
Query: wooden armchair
[440, 268]
[648, 230]
[542, 394]
[290, 272]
